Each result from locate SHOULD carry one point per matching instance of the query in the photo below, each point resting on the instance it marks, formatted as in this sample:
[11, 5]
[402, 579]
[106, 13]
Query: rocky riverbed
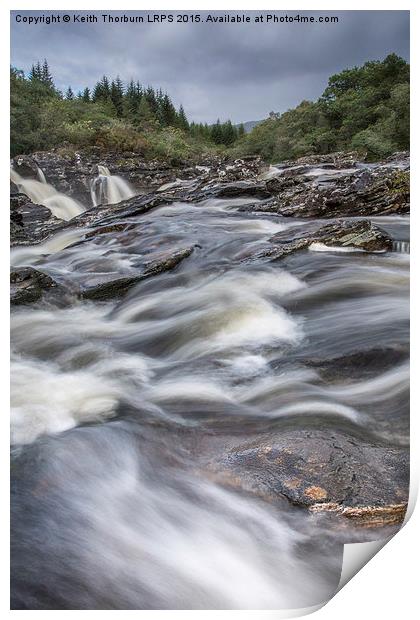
[211, 374]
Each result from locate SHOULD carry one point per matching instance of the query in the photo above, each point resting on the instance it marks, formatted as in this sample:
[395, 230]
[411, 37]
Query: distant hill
[249, 125]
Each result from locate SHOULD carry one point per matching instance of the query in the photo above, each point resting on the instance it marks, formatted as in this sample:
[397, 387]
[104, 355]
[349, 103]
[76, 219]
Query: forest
[364, 109]
[112, 116]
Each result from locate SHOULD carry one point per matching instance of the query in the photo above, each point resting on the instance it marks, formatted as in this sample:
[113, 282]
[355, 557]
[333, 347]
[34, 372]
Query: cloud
[241, 71]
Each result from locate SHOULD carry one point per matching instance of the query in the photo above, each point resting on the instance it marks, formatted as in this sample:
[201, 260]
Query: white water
[28, 254]
[42, 193]
[109, 189]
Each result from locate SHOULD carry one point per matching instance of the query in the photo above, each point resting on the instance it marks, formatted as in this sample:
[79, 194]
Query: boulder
[359, 235]
[116, 287]
[28, 285]
[29, 222]
[322, 470]
[363, 192]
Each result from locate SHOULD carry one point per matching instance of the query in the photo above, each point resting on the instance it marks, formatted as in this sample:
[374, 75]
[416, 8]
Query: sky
[240, 71]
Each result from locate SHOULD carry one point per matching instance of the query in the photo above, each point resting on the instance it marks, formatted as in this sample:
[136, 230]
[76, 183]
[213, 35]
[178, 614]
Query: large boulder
[28, 285]
[323, 470]
[362, 192]
[359, 235]
[29, 222]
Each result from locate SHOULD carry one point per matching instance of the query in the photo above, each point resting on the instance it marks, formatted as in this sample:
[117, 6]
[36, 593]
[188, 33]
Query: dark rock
[29, 222]
[117, 287]
[336, 160]
[323, 470]
[28, 285]
[359, 234]
[364, 192]
[26, 166]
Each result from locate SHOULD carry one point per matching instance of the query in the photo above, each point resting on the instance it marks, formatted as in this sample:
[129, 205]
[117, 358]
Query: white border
[386, 587]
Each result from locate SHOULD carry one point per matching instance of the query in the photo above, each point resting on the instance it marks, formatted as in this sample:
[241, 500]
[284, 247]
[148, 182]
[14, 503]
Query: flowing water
[109, 189]
[114, 405]
[42, 193]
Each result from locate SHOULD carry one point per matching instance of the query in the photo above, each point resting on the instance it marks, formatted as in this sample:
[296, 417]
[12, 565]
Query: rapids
[113, 404]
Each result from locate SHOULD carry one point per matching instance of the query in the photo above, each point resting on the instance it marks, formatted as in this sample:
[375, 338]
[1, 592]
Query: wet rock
[323, 470]
[230, 190]
[337, 160]
[364, 192]
[358, 235]
[26, 166]
[29, 222]
[28, 285]
[117, 287]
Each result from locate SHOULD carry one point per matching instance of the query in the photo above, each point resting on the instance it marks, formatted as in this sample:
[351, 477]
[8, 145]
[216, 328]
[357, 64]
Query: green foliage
[112, 117]
[365, 109]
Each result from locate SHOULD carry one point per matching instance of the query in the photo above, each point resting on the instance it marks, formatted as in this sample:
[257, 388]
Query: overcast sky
[237, 71]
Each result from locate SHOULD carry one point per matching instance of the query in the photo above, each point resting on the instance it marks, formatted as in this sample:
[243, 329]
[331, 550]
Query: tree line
[140, 107]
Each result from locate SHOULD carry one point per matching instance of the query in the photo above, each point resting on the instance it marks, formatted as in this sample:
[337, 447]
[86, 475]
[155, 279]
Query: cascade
[42, 193]
[109, 189]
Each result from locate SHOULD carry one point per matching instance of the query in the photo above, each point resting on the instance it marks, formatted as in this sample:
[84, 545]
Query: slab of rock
[29, 222]
[117, 287]
[28, 285]
[357, 235]
[322, 470]
[365, 192]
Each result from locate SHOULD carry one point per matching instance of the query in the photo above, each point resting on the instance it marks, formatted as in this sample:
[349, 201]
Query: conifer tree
[182, 121]
[69, 94]
[46, 76]
[116, 95]
[86, 95]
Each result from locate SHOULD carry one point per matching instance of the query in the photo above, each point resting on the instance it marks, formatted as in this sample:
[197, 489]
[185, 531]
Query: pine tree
[69, 94]
[35, 73]
[229, 133]
[116, 95]
[241, 130]
[46, 76]
[167, 111]
[150, 97]
[86, 95]
[131, 101]
[182, 121]
[101, 92]
[216, 133]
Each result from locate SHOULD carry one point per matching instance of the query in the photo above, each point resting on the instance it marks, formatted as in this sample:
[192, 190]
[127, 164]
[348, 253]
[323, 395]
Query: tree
[46, 76]
[167, 112]
[216, 132]
[69, 94]
[116, 95]
[86, 95]
[182, 121]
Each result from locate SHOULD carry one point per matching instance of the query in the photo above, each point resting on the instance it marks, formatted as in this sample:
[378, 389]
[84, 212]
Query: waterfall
[108, 189]
[41, 176]
[42, 193]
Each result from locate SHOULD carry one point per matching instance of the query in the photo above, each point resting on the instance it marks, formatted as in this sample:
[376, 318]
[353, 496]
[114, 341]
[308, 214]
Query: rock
[322, 470]
[113, 288]
[359, 235]
[29, 222]
[234, 189]
[363, 192]
[28, 285]
[337, 160]
[26, 166]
